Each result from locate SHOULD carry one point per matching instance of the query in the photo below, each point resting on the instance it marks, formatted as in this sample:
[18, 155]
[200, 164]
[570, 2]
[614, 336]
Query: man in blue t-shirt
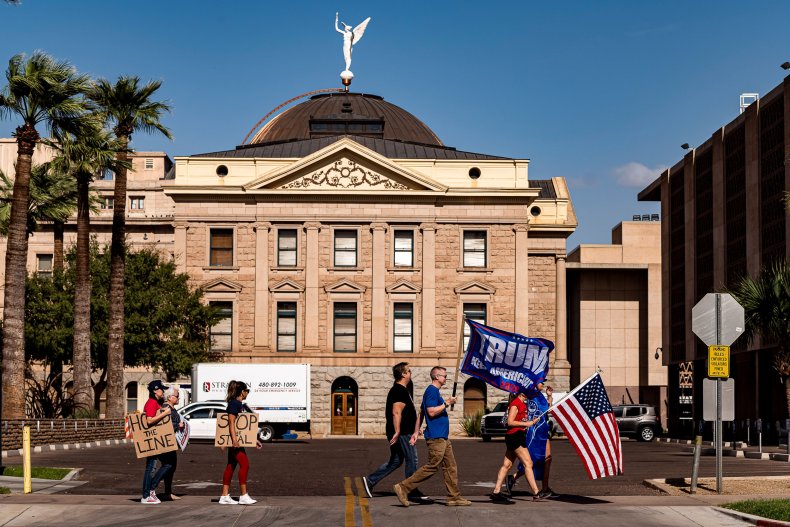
[440, 451]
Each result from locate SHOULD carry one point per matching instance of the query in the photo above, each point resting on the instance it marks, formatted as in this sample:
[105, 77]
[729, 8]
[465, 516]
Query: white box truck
[279, 393]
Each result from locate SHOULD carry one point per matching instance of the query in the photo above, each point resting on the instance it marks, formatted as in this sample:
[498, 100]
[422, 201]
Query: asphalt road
[318, 468]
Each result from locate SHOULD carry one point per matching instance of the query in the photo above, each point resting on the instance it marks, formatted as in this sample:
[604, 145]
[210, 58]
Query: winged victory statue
[350, 38]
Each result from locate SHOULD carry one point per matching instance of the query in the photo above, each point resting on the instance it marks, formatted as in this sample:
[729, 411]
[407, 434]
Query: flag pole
[578, 387]
[458, 359]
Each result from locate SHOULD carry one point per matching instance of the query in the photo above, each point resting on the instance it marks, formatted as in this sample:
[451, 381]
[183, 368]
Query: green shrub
[777, 509]
[5, 490]
[470, 424]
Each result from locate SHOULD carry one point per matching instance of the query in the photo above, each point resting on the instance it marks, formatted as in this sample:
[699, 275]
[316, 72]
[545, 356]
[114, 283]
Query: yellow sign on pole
[719, 361]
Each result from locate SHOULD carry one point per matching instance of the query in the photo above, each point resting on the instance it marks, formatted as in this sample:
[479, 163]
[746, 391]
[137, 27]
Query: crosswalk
[350, 484]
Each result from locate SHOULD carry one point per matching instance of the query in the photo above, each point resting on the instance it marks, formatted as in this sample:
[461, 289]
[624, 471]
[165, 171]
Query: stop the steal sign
[246, 430]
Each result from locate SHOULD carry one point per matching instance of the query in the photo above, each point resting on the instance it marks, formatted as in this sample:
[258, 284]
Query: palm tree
[766, 303]
[127, 107]
[40, 91]
[82, 157]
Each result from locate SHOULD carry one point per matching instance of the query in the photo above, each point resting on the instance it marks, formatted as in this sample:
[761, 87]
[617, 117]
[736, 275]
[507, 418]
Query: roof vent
[346, 107]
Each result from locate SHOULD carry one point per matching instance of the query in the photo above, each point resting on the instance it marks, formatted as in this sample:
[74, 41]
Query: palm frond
[127, 105]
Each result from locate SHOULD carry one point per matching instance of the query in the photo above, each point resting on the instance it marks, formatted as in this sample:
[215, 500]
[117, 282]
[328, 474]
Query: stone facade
[60, 431]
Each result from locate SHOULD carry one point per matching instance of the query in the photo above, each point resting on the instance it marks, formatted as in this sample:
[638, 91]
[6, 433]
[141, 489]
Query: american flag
[588, 421]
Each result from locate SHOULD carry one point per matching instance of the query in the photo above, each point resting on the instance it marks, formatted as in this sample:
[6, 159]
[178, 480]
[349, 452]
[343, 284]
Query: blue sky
[600, 92]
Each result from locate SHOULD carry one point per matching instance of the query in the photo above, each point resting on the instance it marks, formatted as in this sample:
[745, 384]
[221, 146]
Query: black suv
[638, 420]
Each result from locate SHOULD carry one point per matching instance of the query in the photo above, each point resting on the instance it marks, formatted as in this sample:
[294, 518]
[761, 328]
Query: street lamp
[786, 65]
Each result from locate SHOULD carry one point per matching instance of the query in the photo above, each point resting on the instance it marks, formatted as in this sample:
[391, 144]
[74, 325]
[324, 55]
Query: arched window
[131, 397]
[474, 397]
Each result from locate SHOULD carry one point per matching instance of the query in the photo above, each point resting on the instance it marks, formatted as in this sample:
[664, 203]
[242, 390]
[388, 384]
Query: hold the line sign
[152, 440]
[246, 430]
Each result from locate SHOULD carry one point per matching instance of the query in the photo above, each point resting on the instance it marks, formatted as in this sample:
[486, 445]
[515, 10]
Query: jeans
[150, 479]
[440, 454]
[399, 452]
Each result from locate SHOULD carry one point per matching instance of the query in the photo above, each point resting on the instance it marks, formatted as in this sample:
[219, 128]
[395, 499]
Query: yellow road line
[350, 521]
[367, 521]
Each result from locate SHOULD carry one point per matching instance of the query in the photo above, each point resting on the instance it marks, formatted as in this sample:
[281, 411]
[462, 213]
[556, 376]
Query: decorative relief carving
[345, 173]
[521, 227]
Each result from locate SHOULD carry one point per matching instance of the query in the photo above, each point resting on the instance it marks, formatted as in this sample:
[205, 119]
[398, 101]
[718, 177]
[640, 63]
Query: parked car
[491, 424]
[637, 420]
[202, 418]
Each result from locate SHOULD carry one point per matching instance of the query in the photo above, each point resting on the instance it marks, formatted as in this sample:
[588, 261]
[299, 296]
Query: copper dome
[346, 114]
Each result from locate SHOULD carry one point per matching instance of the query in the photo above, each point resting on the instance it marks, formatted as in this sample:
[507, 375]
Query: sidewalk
[736, 449]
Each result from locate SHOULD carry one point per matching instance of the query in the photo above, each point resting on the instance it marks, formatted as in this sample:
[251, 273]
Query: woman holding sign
[237, 455]
[171, 458]
[153, 413]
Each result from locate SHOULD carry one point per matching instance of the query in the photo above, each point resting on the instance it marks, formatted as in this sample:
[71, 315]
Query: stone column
[428, 329]
[262, 329]
[378, 327]
[561, 371]
[521, 324]
[311, 307]
[180, 246]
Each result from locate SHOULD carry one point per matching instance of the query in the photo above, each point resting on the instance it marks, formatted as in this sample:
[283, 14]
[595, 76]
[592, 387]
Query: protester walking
[402, 429]
[440, 451]
[537, 441]
[517, 423]
[237, 455]
[152, 414]
[171, 458]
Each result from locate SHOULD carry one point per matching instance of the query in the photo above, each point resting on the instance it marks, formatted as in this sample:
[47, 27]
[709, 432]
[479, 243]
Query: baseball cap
[156, 385]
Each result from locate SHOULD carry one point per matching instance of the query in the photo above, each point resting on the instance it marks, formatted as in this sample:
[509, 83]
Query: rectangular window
[474, 248]
[345, 248]
[286, 248]
[149, 163]
[404, 248]
[137, 203]
[403, 328]
[476, 312]
[286, 326]
[44, 265]
[107, 203]
[345, 328]
[107, 175]
[221, 248]
[221, 333]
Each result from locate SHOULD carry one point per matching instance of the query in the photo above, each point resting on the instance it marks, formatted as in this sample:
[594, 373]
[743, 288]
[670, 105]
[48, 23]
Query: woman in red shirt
[517, 424]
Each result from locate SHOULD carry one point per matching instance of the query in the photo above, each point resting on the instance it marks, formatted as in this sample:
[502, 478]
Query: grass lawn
[38, 472]
[5, 490]
[778, 509]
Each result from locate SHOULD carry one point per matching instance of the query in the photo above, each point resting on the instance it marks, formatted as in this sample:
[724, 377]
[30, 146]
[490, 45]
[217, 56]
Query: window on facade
[149, 163]
[137, 203]
[286, 248]
[404, 248]
[474, 248]
[44, 265]
[107, 203]
[107, 175]
[476, 312]
[221, 248]
[131, 397]
[403, 327]
[345, 328]
[345, 248]
[221, 333]
[286, 326]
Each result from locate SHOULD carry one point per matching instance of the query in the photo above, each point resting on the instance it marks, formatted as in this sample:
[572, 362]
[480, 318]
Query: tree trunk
[115, 350]
[83, 393]
[57, 252]
[13, 385]
[787, 399]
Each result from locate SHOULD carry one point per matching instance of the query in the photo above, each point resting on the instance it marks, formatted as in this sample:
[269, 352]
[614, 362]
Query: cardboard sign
[246, 430]
[152, 440]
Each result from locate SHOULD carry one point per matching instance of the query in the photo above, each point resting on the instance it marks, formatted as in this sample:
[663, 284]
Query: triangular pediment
[345, 286]
[221, 285]
[286, 286]
[475, 288]
[403, 286]
[345, 166]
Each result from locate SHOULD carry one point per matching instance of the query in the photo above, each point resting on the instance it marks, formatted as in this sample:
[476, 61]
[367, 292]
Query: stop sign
[705, 319]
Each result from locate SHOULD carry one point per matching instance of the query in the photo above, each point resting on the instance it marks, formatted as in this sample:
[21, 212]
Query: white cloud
[636, 174]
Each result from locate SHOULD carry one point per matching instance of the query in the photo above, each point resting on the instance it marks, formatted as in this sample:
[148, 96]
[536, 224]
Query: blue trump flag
[508, 361]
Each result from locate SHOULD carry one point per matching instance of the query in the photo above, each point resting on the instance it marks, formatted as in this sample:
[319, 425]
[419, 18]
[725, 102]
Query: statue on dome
[350, 37]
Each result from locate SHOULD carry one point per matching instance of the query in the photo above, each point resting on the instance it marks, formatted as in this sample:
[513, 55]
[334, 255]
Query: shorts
[515, 440]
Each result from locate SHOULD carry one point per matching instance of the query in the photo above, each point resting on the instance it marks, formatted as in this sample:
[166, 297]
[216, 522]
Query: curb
[71, 446]
[751, 518]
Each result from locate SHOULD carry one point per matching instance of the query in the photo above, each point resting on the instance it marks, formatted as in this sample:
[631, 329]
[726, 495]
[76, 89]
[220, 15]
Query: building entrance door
[344, 413]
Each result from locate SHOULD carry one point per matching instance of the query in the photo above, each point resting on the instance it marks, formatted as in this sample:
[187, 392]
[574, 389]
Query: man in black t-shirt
[402, 429]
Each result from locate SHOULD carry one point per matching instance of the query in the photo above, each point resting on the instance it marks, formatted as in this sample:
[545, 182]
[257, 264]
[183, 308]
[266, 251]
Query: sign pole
[719, 434]
[458, 360]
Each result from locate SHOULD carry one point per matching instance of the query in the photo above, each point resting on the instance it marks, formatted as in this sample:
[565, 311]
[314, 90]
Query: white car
[202, 418]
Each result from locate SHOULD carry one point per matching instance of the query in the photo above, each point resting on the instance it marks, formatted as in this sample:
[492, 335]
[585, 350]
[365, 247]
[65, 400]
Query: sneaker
[458, 502]
[510, 481]
[245, 499]
[548, 493]
[227, 500]
[151, 499]
[402, 497]
[498, 497]
[538, 497]
[365, 484]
